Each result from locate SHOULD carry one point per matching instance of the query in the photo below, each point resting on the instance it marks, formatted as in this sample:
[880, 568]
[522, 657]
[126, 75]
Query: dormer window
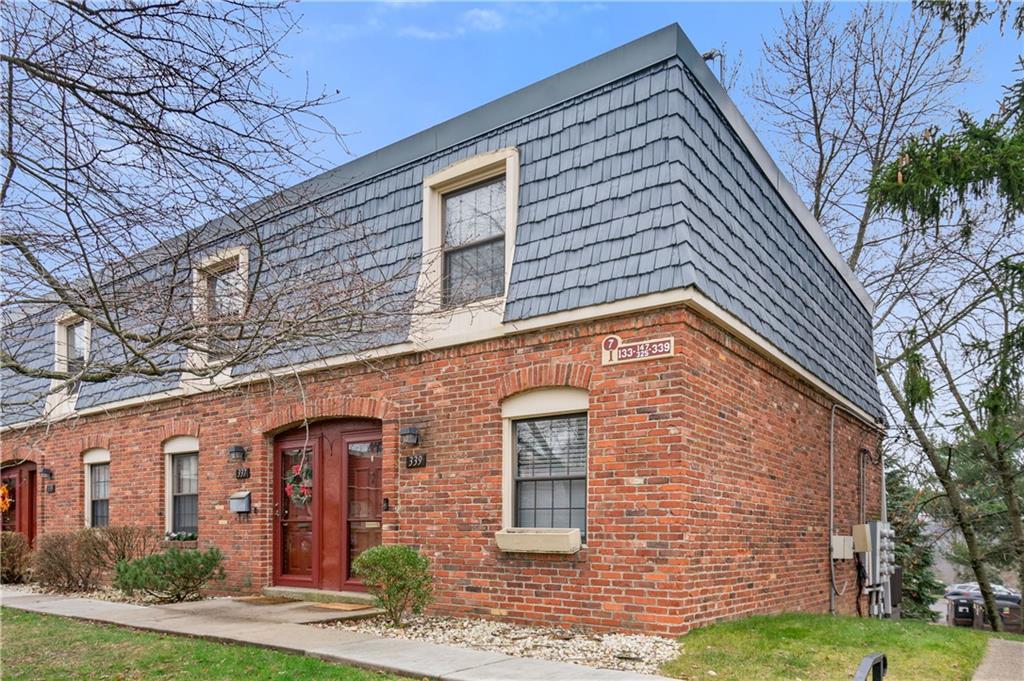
[220, 290]
[72, 349]
[474, 242]
[75, 348]
[469, 232]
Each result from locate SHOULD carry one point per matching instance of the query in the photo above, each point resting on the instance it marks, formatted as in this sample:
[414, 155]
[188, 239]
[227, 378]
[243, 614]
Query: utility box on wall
[842, 547]
[861, 539]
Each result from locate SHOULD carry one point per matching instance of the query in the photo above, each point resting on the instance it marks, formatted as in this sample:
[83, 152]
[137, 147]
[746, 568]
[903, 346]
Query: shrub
[398, 577]
[69, 561]
[126, 543]
[14, 557]
[172, 576]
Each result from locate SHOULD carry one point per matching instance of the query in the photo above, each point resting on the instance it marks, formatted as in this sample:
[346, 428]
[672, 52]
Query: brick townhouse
[633, 433]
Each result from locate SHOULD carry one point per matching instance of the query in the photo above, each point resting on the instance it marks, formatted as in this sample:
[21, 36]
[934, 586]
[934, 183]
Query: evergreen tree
[913, 546]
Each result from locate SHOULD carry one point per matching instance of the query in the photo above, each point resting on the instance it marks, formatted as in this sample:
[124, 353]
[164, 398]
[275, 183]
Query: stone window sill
[538, 540]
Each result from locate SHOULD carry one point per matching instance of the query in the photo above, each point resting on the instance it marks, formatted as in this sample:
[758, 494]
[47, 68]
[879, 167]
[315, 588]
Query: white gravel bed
[104, 593]
[625, 652]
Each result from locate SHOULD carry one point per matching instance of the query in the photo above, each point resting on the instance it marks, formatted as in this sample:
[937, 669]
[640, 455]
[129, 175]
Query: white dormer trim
[209, 265]
[61, 400]
[432, 321]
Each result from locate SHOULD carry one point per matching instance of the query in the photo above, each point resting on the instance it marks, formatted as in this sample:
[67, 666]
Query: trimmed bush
[127, 542]
[14, 557]
[172, 576]
[69, 561]
[398, 577]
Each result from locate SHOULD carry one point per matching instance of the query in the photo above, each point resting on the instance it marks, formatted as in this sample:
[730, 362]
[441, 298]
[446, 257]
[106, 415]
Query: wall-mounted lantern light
[236, 453]
[410, 435]
[47, 473]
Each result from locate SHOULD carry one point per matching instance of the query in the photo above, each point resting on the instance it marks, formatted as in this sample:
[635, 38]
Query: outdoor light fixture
[47, 473]
[236, 453]
[410, 435]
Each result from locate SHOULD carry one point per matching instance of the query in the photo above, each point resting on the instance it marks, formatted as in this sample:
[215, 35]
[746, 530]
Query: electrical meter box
[861, 539]
[876, 540]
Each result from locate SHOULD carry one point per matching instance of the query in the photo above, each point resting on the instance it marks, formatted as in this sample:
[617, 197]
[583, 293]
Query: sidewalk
[262, 626]
[1003, 661]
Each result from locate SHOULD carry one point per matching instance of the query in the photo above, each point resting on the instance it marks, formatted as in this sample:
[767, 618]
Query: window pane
[551, 468]
[99, 475]
[185, 513]
[552, 447]
[474, 214]
[474, 272]
[185, 473]
[226, 291]
[100, 513]
[75, 341]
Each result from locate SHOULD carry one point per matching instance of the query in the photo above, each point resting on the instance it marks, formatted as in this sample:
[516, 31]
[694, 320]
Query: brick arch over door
[284, 418]
[544, 376]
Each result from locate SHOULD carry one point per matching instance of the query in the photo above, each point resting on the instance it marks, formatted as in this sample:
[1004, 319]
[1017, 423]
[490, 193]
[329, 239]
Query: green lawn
[42, 647]
[819, 647]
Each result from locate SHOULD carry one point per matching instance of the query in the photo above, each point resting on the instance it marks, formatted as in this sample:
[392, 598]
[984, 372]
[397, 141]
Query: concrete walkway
[274, 627]
[1003, 661]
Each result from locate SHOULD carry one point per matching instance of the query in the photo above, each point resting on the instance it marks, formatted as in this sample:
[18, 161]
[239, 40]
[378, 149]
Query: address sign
[614, 351]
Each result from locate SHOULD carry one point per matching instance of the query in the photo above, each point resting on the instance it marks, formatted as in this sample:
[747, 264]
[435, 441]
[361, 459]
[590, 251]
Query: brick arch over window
[178, 427]
[285, 417]
[544, 376]
[91, 442]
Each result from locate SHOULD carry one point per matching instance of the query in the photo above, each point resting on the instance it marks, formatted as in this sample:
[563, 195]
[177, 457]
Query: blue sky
[402, 67]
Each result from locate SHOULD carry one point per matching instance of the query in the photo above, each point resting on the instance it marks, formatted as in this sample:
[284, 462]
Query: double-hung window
[474, 242]
[550, 472]
[99, 495]
[185, 493]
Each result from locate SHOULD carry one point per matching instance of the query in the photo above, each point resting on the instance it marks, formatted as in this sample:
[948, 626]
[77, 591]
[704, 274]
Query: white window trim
[212, 264]
[179, 444]
[432, 319]
[528, 405]
[61, 401]
[90, 458]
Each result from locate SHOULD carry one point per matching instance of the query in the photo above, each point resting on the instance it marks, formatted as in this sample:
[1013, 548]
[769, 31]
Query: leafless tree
[141, 140]
[842, 96]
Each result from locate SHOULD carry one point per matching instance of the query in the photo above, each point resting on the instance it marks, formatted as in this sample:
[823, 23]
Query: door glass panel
[296, 483]
[364, 497]
[10, 493]
[296, 491]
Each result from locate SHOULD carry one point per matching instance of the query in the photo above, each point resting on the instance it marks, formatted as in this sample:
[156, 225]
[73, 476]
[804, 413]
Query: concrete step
[318, 596]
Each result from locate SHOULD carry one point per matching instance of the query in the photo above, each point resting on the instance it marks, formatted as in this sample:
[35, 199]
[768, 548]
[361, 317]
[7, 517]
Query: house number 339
[416, 461]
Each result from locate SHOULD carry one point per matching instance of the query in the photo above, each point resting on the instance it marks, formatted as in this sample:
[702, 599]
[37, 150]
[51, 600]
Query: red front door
[327, 502]
[20, 483]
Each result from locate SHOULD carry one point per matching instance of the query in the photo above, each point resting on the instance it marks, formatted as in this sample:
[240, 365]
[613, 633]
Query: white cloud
[475, 20]
[483, 20]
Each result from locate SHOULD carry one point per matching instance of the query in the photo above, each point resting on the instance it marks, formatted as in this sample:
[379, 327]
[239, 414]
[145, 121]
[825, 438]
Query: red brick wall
[708, 475]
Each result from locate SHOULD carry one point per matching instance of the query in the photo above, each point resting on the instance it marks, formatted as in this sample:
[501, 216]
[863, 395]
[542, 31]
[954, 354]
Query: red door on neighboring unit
[327, 502]
[20, 481]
